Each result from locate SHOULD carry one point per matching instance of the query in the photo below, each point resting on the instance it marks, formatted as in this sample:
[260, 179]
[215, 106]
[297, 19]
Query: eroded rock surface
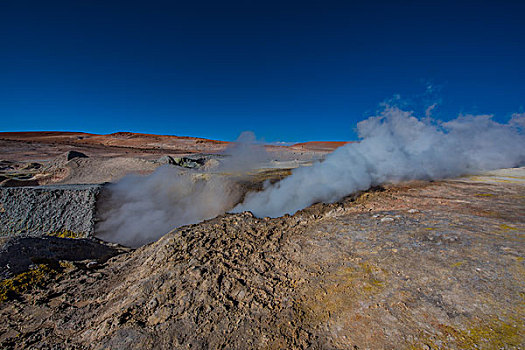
[57, 209]
[445, 271]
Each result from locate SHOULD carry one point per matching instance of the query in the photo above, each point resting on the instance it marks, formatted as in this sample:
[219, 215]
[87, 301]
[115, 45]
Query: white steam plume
[396, 146]
[140, 209]
[244, 154]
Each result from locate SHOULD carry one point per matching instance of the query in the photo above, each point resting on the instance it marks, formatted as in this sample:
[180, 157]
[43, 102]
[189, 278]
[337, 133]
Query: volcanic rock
[189, 163]
[75, 154]
[329, 277]
[57, 209]
[185, 162]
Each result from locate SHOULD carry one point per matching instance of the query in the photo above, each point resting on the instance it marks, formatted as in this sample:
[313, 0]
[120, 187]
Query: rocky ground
[42, 158]
[419, 265]
[414, 266]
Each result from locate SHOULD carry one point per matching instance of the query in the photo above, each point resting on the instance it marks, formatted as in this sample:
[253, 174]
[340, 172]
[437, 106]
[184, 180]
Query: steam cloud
[244, 154]
[396, 146]
[140, 209]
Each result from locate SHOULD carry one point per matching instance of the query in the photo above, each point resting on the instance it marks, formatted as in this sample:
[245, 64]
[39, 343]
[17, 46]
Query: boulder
[75, 154]
[189, 162]
[184, 162]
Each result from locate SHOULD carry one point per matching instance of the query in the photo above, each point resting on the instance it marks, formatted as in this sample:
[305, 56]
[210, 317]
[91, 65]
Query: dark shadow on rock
[18, 254]
[75, 154]
[18, 183]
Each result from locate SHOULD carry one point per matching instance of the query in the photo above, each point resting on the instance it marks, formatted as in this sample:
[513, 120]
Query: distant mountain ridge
[140, 140]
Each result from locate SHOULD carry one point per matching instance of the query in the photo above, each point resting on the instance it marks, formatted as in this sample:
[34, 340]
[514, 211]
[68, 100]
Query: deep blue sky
[287, 70]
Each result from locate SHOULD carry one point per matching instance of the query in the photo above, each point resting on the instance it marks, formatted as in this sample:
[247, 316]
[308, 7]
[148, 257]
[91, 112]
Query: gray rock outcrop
[185, 162]
[39, 210]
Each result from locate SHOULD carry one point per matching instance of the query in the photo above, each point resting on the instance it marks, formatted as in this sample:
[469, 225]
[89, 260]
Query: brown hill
[150, 142]
[319, 146]
[127, 140]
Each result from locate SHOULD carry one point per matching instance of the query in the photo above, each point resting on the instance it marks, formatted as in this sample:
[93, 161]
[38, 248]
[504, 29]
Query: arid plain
[413, 265]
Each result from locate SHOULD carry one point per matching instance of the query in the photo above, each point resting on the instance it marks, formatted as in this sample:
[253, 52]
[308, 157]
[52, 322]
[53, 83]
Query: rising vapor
[140, 209]
[245, 154]
[396, 146]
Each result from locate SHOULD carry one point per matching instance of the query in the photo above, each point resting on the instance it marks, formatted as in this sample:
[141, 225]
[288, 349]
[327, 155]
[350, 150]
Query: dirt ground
[419, 265]
[40, 158]
[416, 266]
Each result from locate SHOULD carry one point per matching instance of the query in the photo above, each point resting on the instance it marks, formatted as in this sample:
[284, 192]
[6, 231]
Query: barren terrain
[40, 158]
[418, 265]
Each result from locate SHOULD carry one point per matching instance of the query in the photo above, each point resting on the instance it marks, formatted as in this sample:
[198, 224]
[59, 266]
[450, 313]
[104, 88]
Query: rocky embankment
[63, 210]
[417, 266]
[45, 225]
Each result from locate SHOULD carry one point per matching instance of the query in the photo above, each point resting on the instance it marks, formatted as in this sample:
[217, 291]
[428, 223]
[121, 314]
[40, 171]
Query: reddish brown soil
[316, 146]
[121, 142]
[149, 142]
[39, 158]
